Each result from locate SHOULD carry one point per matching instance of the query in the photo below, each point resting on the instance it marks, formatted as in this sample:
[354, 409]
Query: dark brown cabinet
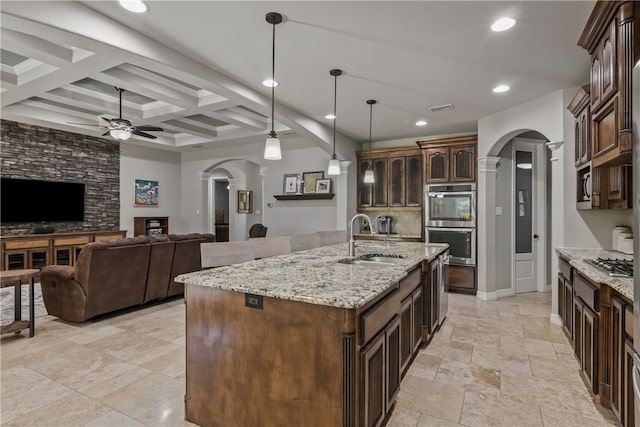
[608, 36]
[150, 225]
[431, 299]
[398, 179]
[450, 159]
[628, 408]
[617, 356]
[406, 343]
[586, 321]
[590, 347]
[392, 345]
[416, 327]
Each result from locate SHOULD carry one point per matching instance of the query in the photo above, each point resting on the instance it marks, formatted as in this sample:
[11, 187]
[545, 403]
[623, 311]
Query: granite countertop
[315, 276]
[576, 257]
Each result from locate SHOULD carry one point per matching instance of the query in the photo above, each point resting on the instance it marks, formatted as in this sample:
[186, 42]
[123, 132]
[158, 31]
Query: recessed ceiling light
[501, 88]
[270, 83]
[329, 117]
[503, 24]
[421, 123]
[135, 6]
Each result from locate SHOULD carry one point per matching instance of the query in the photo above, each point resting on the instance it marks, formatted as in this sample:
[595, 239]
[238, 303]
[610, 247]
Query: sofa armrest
[64, 272]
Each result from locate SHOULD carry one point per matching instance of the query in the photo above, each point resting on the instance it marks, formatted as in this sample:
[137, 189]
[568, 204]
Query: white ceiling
[195, 68]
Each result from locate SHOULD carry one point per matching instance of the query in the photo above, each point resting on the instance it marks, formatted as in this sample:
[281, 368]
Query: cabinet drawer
[71, 241]
[377, 317]
[26, 244]
[628, 321]
[565, 269]
[409, 283]
[586, 290]
[109, 237]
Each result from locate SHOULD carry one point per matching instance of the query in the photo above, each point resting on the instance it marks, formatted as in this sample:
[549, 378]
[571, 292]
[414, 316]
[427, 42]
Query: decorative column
[486, 223]
[342, 195]
[233, 235]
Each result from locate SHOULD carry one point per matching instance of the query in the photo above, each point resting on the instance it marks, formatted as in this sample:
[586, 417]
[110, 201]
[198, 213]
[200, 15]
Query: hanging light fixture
[334, 163]
[368, 175]
[272, 145]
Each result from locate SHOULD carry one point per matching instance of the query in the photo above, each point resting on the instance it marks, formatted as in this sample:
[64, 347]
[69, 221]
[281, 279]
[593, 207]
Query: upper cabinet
[450, 159]
[608, 37]
[398, 179]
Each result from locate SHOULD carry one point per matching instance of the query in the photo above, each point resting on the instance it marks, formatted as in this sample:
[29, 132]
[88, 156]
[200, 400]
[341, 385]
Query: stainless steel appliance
[443, 286]
[451, 205]
[612, 266]
[635, 108]
[462, 243]
[384, 224]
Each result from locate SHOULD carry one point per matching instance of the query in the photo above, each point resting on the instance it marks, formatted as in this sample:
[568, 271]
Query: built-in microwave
[450, 205]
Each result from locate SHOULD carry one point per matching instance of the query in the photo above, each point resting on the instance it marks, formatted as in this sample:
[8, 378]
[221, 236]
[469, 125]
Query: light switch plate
[498, 210]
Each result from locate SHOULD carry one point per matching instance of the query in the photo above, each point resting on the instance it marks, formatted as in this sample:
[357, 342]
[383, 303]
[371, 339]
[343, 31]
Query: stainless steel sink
[374, 260]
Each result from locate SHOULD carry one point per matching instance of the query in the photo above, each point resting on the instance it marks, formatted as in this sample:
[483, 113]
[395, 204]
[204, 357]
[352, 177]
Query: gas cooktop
[612, 266]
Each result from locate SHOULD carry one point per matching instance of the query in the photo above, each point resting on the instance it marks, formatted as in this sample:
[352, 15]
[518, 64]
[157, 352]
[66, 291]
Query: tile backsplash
[404, 222]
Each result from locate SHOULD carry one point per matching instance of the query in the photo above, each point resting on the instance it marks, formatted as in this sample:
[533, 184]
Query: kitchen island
[304, 338]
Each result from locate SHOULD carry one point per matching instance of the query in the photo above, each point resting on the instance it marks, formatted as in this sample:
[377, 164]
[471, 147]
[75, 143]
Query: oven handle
[452, 193]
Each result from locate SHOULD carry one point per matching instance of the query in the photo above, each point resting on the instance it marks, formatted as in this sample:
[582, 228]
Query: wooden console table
[15, 278]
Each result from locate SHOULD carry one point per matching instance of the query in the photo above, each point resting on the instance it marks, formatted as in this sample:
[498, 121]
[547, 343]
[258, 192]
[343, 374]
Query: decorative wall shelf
[308, 196]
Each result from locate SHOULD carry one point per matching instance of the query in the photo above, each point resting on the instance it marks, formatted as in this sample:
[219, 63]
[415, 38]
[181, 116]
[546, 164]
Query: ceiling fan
[122, 129]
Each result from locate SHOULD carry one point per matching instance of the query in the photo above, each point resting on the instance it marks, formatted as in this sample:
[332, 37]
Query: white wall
[158, 165]
[298, 155]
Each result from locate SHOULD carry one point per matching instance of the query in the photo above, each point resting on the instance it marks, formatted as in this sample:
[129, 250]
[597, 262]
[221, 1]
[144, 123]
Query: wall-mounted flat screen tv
[25, 200]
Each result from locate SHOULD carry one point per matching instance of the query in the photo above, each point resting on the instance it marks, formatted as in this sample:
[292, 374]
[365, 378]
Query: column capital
[488, 164]
[344, 165]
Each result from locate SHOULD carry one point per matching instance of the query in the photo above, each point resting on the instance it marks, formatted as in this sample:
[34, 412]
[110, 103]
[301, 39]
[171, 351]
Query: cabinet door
[608, 69]
[463, 163]
[413, 181]
[417, 318]
[364, 190]
[38, 258]
[578, 307]
[616, 353]
[380, 186]
[585, 135]
[628, 405]
[437, 164]
[595, 80]
[373, 374]
[568, 310]
[604, 126]
[406, 332]
[392, 334]
[577, 136]
[619, 187]
[15, 260]
[396, 181]
[590, 347]
[561, 309]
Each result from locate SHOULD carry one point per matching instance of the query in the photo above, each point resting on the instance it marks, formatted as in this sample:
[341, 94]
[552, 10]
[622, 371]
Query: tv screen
[24, 200]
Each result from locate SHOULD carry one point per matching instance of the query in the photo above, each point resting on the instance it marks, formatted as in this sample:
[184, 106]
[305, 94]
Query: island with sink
[314, 337]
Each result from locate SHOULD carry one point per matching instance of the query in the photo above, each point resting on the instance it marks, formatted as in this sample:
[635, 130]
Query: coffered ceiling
[194, 68]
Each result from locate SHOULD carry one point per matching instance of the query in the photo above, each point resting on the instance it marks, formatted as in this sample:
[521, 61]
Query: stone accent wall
[34, 152]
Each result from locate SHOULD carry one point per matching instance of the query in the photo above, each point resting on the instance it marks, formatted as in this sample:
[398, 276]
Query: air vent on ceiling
[445, 107]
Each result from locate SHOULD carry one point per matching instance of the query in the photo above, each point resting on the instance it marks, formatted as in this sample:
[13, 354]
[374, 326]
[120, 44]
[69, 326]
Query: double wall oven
[451, 218]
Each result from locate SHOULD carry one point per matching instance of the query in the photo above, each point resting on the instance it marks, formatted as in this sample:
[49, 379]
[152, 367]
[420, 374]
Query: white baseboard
[556, 319]
[502, 293]
[486, 296]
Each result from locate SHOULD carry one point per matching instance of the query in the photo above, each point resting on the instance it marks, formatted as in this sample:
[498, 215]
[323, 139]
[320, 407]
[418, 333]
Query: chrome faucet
[352, 242]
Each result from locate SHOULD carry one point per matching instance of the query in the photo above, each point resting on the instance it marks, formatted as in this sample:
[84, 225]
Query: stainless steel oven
[450, 205]
[462, 243]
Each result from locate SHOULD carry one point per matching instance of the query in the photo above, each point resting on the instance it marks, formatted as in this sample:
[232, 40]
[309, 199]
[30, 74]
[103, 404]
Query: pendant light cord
[370, 120]
[335, 97]
[273, 79]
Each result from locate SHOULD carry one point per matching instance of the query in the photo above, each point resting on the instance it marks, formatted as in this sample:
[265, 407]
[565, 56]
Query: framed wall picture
[323, 186]
[310, 179]
[146, 192]
[245, 201]
[290, 183]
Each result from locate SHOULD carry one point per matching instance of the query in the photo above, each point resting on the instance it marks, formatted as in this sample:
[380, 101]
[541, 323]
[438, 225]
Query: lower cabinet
[628, 408]
[590, 348]
[381, 374]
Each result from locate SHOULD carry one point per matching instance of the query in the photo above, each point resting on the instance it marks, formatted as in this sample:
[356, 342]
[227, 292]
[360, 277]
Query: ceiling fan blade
[84, 124]
[106, 133]
[146, 135]
[107, 120]
[148, 128]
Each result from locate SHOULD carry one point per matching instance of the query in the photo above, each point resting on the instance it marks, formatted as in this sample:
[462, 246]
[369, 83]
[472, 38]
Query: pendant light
[272, 145]
[334, 163]
[368, 175]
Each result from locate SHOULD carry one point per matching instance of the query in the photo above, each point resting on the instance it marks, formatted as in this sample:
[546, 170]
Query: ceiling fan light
[272, 149]
[334, 166]
[369, 178]
[135, 6]
[120, 134]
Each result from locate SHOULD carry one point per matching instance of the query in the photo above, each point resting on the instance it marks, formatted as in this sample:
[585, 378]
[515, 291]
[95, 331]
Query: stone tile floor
[497, 363]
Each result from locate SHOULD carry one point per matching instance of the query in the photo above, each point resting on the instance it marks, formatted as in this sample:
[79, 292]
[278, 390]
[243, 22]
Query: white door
[529, 214]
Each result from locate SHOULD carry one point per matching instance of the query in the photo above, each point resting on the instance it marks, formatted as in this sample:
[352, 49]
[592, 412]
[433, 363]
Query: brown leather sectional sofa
[116, 274]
